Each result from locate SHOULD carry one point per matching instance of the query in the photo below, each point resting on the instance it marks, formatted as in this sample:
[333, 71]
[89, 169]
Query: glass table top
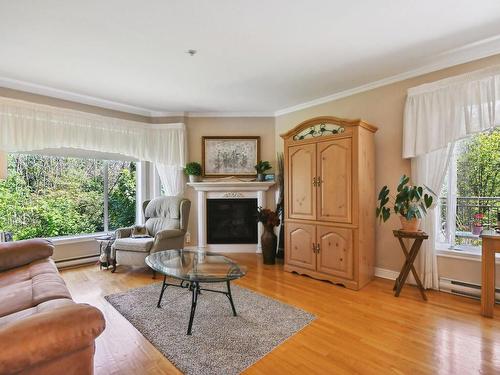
[193, 265]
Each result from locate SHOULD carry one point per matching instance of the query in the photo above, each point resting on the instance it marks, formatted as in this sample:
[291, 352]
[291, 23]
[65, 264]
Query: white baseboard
[385, 273]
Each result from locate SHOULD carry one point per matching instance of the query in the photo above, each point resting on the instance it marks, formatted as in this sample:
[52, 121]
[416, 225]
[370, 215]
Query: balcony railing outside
[466, 208]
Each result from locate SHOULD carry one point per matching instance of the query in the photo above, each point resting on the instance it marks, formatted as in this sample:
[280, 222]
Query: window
[470, 198]
[51, 196]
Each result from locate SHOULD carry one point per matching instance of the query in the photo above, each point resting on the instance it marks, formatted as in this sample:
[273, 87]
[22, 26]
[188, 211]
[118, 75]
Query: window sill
[64, 240]
[469, 253]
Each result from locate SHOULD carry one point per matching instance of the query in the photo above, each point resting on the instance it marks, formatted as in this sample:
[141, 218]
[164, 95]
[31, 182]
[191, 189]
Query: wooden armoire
[330, 200]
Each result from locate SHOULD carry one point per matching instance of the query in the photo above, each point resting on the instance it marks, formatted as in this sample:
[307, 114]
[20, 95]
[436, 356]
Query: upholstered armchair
[164, 228]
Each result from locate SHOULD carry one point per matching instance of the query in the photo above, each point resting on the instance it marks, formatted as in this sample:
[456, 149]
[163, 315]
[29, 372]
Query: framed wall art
[230, 156]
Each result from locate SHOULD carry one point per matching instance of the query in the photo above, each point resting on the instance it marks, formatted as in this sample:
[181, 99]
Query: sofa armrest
[48, 335]
[123, 232]
[19, 253]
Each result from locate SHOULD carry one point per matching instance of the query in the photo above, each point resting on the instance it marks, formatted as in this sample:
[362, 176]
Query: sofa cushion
[26, 294]
[18, 253]
[44, 306]
[27, 272]
[134, 244]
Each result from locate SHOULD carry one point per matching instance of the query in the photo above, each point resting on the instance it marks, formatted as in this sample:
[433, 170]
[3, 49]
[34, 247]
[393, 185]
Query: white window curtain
[430, 170]
[26, 126]
[436, 116]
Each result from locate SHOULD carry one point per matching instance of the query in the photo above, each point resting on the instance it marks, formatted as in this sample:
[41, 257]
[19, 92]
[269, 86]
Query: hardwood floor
[364, 332]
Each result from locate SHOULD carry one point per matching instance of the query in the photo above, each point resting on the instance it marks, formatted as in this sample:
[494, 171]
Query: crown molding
[52, 92]
[230, 114]
[470, 52]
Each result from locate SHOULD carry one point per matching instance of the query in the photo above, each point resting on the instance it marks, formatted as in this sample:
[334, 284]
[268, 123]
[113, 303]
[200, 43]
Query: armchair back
[166, 213]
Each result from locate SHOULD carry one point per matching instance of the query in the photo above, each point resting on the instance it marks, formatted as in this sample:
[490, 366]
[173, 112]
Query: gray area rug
[220, 343]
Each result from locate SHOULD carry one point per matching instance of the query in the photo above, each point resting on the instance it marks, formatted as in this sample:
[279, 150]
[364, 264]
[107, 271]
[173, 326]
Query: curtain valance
[440, 113]
[26, 126]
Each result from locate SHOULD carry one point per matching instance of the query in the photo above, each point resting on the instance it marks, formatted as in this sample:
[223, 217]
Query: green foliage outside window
[47, 196]
[478, 166]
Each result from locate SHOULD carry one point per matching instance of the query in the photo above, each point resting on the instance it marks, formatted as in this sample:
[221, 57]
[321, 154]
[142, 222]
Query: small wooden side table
[411, 255]
[491, 245]
[105, 243]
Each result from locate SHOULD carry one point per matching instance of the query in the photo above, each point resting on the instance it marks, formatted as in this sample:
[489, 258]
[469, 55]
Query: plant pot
[411, 225]
[260, 177]
[477, 230]
[268, 241]
[193, 178]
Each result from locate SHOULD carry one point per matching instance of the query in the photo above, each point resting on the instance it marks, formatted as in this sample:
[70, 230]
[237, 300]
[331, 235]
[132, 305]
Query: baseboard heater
[69, 262]
[464, 289]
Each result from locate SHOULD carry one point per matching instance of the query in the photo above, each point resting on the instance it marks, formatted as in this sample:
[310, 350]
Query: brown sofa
[42, 331]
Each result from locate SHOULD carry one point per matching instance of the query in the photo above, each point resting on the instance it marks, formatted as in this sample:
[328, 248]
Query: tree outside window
[51, 196]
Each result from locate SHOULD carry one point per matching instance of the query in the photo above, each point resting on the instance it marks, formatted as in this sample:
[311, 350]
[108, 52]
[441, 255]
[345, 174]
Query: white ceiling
[253, 56]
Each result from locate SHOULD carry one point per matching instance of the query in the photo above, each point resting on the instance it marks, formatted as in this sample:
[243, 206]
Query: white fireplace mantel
[231, 190]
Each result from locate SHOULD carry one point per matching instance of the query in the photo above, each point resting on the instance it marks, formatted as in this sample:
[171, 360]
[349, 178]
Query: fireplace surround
[230, 190]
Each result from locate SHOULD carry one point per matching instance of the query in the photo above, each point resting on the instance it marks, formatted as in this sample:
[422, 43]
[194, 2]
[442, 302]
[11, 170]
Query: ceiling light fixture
[192, 52]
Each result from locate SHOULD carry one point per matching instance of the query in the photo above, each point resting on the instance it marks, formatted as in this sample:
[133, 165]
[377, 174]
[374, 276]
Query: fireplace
[231, 221]
[229, 190]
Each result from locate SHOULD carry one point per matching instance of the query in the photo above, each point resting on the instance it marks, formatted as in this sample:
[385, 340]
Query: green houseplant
[193, 170]
[410, 203]
[261, 167]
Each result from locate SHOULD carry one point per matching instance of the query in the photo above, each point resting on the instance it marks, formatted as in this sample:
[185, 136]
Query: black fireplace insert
[232, 221]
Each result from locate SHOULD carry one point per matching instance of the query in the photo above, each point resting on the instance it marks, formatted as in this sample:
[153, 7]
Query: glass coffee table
[192, 268]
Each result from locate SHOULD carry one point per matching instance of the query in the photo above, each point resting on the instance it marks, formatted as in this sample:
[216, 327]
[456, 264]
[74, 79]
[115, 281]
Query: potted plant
[193, 170]
[477, 224]
[411, 204]
[261, 167]
[268, 240]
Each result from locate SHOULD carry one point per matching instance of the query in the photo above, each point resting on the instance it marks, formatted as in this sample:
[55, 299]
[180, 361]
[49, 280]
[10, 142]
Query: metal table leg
[163, 287]
[195, 288]
[229, 295]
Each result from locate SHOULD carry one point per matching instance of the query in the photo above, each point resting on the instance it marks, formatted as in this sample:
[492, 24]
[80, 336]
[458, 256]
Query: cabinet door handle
[317, 248]
[318, 181]
[314, 247]
[314, 181]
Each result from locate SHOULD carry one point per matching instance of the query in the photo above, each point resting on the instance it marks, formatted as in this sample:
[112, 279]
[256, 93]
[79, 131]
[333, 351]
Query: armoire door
[301, 191]
[335, 180]
[335, 255]
[300, 241]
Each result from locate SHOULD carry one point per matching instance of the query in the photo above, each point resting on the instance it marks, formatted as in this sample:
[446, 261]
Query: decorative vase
[268, 241]
[193, 178]
[260, 177]
[476, 230]
[411, 225]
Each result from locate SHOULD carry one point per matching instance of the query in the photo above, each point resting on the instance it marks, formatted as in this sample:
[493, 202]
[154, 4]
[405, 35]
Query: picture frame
[225, 156]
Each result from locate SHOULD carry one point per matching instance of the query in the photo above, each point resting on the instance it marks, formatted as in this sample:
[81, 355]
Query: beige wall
[383, 107]
[198, 127]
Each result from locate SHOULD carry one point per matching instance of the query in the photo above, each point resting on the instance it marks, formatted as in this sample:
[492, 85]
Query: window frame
[72, 238]
[449, 245]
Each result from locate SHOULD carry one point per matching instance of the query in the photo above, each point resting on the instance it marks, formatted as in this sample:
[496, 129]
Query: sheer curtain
[436, 116]
[430, 170]
[26, 126]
